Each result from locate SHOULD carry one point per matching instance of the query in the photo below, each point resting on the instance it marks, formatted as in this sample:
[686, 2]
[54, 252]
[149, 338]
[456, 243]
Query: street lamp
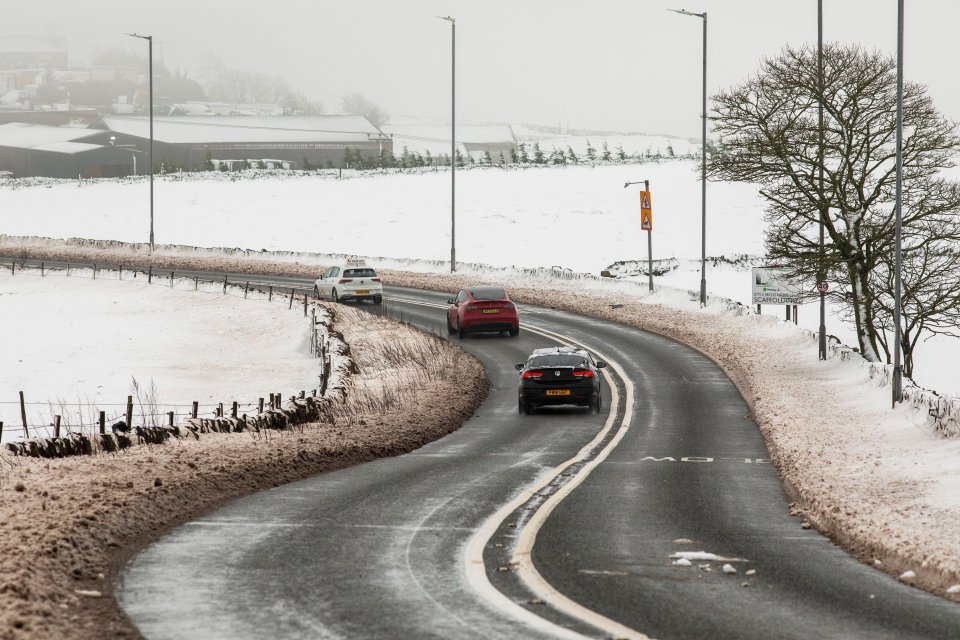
[149, 40]
[821, 275]
[703, 160]
[897, 373]
[453, 141]
[646, 224]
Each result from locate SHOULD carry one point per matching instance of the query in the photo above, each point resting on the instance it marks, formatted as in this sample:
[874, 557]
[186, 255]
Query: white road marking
[522, 553]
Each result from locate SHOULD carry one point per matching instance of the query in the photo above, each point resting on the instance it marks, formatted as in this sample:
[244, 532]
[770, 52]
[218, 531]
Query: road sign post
[646, 224]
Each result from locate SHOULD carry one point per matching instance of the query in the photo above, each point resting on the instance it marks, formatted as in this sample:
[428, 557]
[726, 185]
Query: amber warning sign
[646, 211]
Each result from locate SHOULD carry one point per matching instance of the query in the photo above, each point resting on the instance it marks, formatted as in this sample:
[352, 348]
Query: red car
[477, 309]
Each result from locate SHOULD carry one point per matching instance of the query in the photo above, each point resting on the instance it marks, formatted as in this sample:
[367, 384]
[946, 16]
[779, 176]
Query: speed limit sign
[823, 286]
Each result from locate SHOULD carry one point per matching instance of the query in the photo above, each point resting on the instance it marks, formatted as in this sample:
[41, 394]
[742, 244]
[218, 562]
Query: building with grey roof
[63, 152]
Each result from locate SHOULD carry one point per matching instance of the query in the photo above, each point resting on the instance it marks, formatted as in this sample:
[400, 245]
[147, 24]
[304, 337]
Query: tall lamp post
[821, 275]
[703, 161]
[149, 40]
[453, 141]
[897, 373]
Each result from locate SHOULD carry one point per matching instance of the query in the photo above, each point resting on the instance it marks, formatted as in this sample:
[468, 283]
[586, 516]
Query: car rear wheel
[316, 291]
[525, 408]
[596, 404]
[377, 299]
[461, 333]
[514, 332]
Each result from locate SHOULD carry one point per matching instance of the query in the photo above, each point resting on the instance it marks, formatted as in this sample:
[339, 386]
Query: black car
[560, 375]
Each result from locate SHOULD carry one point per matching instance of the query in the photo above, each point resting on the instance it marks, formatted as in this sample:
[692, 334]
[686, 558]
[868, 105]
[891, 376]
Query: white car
[352, 280]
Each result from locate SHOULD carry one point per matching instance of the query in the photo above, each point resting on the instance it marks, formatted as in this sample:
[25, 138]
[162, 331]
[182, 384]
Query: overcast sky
[605, 64]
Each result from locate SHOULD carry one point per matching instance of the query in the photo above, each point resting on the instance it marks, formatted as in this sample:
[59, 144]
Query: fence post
[220, 410]
[130, 412]
[23, 416]
[291, 298]
[279, 400]
[103, 422]
[246, 288]
[224, 285]
[56, 426]
[260, 406]
[233, 410]
[41, 268]
[170, 414]
[196, 408]
[272, 405]
[171, 279]
[68, 269]
[1, 430]
[120, 271]
[271, 293]
[196, 283]
[150, 274]
[305, 296]
[303, 394]
[13, 267]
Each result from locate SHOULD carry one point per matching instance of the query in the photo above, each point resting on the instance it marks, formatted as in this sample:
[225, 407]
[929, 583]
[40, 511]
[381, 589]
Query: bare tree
[356, 105]
[769, 127]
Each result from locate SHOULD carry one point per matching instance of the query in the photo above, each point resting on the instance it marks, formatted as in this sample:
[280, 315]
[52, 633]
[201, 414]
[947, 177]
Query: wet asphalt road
[377, 550]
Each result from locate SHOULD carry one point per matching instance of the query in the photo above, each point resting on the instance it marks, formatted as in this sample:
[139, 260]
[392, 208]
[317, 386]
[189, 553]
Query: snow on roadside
[203, 346]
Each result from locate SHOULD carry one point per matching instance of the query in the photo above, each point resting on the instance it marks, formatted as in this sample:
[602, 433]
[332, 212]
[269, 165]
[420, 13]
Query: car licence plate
[558, 392]
[362, 292]
[491, 310]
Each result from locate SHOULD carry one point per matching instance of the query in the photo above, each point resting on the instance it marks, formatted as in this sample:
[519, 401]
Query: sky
[604, 65]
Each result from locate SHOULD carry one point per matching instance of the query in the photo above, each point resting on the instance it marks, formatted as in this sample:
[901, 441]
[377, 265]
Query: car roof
[549, 351]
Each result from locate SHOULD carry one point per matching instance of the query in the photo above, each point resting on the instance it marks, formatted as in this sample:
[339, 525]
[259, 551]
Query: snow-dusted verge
[882, 482]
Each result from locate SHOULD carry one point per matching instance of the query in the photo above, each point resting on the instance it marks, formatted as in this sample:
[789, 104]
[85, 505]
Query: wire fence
[26, 418]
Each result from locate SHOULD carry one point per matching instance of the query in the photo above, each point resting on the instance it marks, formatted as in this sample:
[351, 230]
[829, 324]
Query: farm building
[298, 142]
[475, 140]
[61, 152]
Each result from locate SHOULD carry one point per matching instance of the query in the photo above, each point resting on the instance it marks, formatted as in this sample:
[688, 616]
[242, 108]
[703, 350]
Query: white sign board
[768, 288]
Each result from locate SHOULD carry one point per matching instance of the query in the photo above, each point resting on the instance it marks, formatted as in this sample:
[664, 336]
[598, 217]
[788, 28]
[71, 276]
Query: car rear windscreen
[359, 273]
[488, 293]
[557, 360]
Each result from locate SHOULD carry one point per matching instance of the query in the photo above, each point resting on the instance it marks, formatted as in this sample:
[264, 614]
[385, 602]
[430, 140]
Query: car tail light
[374, 279]
[508, 305]
[582, 373]
[471, 307]
[345, 280]
[533, 374]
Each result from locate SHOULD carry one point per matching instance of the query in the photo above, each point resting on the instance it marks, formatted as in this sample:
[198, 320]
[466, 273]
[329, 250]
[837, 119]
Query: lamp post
[646, 224]
[703, 161]
[149, 40]
[897, 373]
[453, 141]
[821, 275]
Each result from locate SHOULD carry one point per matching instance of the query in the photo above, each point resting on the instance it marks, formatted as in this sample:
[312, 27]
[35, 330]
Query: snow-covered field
[577, 217]
[75, 344]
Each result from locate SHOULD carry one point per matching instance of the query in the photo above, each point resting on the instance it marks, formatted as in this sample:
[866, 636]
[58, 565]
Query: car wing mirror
[519, 366]
[601, 364]
[450, 301]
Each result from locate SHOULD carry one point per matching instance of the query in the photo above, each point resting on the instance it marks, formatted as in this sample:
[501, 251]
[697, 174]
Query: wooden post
[120, 271]
[56, 426]
[1, 430]
[23, 416]
[271, 293]
[758, 309]
[196, 283]
[13, 267]
[314, 393]
[305, 296]
[171, 279]
[150, 274]
[68, 269]
[788, 313]
[94, 270]
[220, 410]
[292, 291]
[246, 288]
[279, 399]
[103, 422]
[224, 285]
[196, 408]
[233, 410]
[130, 412]
[170, 415]
[260, 406]
[303, 394]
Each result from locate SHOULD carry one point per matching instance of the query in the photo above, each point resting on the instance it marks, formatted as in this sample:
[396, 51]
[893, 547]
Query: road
[423, 546]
